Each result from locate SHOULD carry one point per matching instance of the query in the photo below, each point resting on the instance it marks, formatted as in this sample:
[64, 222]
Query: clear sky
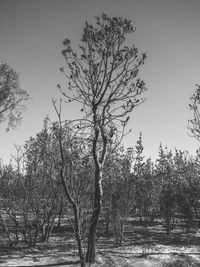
[31, 35]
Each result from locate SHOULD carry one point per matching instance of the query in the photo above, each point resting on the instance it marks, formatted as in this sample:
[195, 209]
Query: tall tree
[102, 79]
[12, 96]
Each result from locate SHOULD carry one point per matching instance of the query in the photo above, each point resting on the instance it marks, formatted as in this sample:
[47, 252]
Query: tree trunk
[60, 212]
[117, 226]
[168, 225]
[77, 234]
[91, 249]
[98, 165]
[107, 223]
[121, 232]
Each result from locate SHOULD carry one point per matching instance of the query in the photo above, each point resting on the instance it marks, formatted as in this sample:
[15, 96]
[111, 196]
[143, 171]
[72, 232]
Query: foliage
[12, 96]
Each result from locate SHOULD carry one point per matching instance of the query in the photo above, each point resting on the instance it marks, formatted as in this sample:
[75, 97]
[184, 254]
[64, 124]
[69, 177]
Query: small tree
[122, 196]
[165, 172]
[102, 79]
[43, 193]
[11, 96]
[137, 168]
[188, 193]
[147, 193]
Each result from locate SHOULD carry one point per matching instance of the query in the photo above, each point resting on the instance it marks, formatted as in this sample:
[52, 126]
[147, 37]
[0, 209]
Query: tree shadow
[61, 251]
[55, 264]
[143, 236]
[183, 261]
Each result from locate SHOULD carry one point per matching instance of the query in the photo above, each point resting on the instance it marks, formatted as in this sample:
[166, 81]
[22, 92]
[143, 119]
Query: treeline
[34, 203]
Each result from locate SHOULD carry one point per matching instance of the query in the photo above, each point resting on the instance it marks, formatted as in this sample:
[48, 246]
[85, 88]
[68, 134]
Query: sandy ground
[131, 256]
[141, 248]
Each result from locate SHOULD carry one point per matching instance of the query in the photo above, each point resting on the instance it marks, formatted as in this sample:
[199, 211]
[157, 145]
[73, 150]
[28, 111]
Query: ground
[141, 248]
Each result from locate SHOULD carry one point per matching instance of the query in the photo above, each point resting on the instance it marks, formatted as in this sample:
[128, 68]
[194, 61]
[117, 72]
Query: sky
[31, 36]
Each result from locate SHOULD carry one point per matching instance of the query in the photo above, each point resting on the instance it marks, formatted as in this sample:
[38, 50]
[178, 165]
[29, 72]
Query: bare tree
[102, 79]
[66, 176]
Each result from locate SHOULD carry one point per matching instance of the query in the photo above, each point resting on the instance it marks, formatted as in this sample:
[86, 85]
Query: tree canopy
[12, 97]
